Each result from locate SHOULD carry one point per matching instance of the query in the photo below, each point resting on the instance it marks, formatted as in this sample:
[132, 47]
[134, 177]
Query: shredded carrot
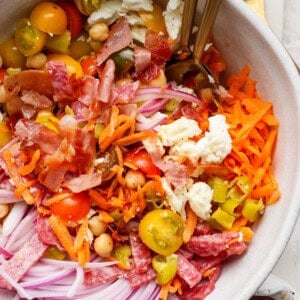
[61, 231]
[134, 138]
[58, 197]
[81, 234]
[105, 216]
[99, 199]
[254, 129]
[84, 253]
[174, 286]
[190, 224]
[27, 169]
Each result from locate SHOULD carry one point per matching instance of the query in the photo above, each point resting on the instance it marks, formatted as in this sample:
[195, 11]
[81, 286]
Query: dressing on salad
[114, 182]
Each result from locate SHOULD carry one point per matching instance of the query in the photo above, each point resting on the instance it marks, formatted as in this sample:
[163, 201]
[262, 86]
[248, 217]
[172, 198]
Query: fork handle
[207, 20]
[187, 21]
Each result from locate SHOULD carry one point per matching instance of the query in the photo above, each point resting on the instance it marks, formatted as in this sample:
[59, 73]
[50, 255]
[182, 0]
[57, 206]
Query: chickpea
[36, 61]
[4, 209]
[134, 179]
[99, 32]
[160, 80]
[103, 245]
[97, 226]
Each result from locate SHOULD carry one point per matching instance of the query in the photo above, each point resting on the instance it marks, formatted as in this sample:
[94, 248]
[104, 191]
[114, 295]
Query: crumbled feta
[200, 196]
[133, 19]
[139, 33]
[138, 5]
[154, 145]
[177, 198]
[178, 131]
[217, 143]
[185, 149]
[109, 12]
[173, 16]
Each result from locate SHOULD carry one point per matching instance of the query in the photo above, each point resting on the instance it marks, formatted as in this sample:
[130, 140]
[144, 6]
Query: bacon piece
[45, 232]
[60, 80]
[23, 259]
[187, 271]
[136, 279]
[119, 38]
[142, 59]
[83, 182]
[140, 253]
[150, 73]
[36, 99]
[125, 93]
[103, 275]
[211, 244]
[33, 133]
[28, 80]
[87, 89]
[106, 81]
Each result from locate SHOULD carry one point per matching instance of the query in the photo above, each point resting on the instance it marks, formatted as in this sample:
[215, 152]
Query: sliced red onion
[77, 283]
[50, 279]
[20, 290]
[73, 264]
[152, 106]
[7, 196]
[21, 231]
[149, 123]
[149, 93]
[14, 218]
[144, 291]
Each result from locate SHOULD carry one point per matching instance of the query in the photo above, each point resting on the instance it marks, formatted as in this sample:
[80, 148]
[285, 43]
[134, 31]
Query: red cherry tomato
[73, 208]
[74, 17]
[141, 159]
[88, 65]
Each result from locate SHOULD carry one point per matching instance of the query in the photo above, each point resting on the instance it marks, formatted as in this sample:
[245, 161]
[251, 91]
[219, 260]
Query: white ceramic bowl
[244, 39]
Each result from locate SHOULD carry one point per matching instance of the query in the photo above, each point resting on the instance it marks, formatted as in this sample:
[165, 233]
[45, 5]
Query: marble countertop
[288, 267]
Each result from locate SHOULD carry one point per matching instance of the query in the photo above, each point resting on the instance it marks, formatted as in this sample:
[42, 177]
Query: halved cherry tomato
[29, 39]
[73, 208]
[142, 160]
[74, 17]
[72, 65]
[161, 230]
[49, 17]
[88, 65]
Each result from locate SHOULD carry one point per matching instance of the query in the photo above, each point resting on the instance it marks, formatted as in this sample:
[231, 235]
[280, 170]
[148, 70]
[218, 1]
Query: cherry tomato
[72, 65]
[12, 57]
[73, 208]
[142, 160]
[49, 17]
[74, 17]
[88, 65]
[161, 230]
[29, 39]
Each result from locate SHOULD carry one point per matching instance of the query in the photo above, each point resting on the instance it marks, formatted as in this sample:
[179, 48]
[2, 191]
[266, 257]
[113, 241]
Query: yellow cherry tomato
[11, 55]
[49, 17]
[154, 20]
[161, 230]
[72, 65]
[29, 39]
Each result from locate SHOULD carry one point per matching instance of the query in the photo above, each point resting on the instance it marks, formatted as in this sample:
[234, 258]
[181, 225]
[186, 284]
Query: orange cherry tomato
[72, 65]
[141, 159]
[74, 17]
[73, 208]
[49, 17]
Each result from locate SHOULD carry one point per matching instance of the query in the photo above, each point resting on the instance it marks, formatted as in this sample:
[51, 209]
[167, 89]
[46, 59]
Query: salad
[114, 182]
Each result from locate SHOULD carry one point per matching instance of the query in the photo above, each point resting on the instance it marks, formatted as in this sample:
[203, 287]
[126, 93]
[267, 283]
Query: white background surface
[288, 267]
